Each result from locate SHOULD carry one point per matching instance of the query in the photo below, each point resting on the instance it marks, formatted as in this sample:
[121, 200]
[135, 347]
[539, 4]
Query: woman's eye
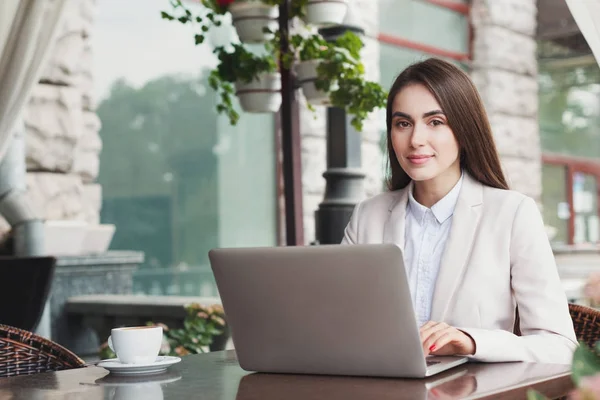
[402, 124]
[437, 122]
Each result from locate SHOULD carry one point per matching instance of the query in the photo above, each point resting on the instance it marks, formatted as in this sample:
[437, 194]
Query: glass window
[393, 60]
[585, 200]
[426, 23]
[555, 203]
[569, 108]
[177, 179]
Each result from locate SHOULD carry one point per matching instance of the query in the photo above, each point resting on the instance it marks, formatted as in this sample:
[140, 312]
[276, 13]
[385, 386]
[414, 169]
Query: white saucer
[160, 365]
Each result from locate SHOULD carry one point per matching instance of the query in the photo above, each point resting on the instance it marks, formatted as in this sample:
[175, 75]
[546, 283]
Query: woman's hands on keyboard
[441, 339]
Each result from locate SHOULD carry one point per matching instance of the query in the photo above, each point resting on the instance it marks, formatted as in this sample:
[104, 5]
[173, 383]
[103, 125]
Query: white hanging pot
[325, 12]
[306, 73]
[261, 95]
[251, 17]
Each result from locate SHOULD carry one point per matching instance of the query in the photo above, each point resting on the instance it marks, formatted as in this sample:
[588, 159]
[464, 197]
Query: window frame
[572, 166]
[458, 7]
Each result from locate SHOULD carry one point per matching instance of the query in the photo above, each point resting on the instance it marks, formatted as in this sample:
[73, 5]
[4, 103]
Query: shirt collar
[442, 210]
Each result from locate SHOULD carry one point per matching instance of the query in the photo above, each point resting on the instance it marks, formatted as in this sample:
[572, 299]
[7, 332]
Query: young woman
[475, 252]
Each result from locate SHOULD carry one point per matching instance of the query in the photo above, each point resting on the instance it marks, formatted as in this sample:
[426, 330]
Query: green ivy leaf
[585, 363]
[535, 395]
[166, 16]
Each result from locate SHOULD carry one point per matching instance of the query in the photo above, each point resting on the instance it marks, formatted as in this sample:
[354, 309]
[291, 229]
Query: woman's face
[423, 142]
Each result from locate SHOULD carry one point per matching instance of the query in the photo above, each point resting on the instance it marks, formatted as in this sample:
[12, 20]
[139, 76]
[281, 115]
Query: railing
[176, 281]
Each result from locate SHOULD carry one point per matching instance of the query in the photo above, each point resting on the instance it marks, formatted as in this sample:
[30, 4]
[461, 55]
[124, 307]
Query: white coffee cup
[137, 344]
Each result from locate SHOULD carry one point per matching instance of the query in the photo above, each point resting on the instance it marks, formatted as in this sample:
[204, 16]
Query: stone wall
[62, 141]
[313, 129]
[505, 72]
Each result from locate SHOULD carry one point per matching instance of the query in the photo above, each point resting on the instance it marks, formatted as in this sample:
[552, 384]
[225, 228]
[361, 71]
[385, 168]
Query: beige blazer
[497, 257]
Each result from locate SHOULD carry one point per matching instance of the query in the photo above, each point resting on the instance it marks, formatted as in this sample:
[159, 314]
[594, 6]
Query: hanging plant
[215, 10]
[252, 19]
[324, 12]
[310, 56]
[331, 73]
[244, 73]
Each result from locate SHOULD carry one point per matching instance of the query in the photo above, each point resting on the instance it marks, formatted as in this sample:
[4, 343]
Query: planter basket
[306, 72]
[251, 17]
[325, 12]
[262, 95]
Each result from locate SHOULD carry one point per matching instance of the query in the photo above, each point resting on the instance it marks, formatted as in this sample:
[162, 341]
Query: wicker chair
[586, 322]
[25, 353]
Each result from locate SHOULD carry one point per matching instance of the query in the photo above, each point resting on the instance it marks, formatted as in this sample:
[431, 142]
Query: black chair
[25, 284]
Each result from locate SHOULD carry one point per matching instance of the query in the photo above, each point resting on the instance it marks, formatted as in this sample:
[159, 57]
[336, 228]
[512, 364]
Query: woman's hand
[441, 339]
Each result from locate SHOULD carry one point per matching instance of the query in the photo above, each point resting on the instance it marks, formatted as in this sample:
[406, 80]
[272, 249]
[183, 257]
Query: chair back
[25, 353]
[586, 322]
[25, 284]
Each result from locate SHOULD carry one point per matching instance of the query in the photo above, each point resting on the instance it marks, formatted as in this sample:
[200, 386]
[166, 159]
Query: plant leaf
[535, 395]
[585, 363]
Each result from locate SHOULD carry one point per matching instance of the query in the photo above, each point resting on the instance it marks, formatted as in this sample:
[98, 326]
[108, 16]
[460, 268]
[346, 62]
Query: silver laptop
[329, 309]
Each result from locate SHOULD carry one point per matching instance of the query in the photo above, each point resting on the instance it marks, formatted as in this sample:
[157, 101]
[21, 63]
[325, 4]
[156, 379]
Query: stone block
[516, 15]
[53, 121]
[370, 58]
[92, 203]
[86, 158]
[310, 204]
[366, 14]
[506, 92]
[501, 48]
[86, 79]
[87, 14]
[374, 127]
[516, 136]
[57, 196]
[312, 123]
[63, 63]
[523, 175]
[313, 165]
[310, 234]
[374, 164]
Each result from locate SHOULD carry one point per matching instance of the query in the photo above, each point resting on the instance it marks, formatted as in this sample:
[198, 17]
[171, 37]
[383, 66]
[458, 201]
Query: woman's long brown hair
[462, 105]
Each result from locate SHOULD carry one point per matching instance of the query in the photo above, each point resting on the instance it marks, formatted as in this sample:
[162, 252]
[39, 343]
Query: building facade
[177, 180]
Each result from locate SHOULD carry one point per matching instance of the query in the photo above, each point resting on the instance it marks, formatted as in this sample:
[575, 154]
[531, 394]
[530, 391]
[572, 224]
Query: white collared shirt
[427, 230]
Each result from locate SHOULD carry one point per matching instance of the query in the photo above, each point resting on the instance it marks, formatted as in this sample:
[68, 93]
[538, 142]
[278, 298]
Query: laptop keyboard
[430, 363]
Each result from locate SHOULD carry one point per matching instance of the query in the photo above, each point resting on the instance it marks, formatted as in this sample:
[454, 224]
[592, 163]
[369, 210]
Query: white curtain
[587, 16]
[27, 32]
